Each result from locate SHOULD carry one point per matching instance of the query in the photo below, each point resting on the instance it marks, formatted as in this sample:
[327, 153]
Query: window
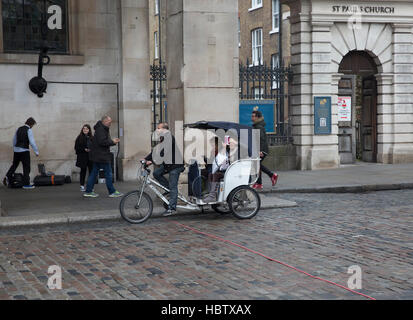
[255, 4]
[239, 32]
[156, 7]
[22, 24]
[256, 37]
[156, 43]
[258, 93]
[275, 15]
[275, 64]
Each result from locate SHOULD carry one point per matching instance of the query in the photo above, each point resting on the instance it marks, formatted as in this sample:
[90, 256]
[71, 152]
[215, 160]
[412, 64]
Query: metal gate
[158, 94]
[256, 83]
[268, 83]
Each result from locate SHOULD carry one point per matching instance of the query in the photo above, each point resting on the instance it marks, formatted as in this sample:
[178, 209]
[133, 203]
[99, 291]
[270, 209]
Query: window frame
[275, 12]
[275, 83]
[156, 7]
[156, 45]
[73, 56]
[239, 32]
[257, 48]
[258, 93]
[255, 5]
[28, 51]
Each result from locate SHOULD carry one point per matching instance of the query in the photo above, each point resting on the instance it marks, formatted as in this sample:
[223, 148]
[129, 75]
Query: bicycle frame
[153, 185]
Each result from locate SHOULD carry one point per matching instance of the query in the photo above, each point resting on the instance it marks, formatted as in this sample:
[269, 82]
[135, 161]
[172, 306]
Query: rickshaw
[235, 194]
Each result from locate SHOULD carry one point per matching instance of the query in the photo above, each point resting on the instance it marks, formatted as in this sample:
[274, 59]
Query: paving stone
[324, 235]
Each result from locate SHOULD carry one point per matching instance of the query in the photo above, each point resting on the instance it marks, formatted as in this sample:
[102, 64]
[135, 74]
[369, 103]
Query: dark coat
[260, 124]
[101, 143]
[175, 162]
[82, 142]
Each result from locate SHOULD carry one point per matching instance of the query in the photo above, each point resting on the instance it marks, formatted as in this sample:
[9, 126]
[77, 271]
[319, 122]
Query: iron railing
[264, 82]
[255, 83]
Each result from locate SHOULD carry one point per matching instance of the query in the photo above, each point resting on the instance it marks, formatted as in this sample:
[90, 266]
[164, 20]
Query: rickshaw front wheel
[134, 211]
[244, 202]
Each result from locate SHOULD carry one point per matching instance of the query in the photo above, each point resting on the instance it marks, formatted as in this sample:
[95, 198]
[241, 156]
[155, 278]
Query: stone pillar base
[317, 157]
[397, 154]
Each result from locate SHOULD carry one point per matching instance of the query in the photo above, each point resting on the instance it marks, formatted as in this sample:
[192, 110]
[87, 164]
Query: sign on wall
[246, 108]
[322, 115]
[344, 108]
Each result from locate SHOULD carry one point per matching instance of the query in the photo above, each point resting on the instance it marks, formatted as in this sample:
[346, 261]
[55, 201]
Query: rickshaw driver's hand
[147, 163]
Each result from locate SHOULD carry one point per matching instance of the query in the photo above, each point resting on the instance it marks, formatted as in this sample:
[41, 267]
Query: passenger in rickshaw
[220, 164]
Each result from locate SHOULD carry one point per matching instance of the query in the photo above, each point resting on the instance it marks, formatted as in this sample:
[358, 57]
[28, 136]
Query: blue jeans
[172, 184]
[93, 175]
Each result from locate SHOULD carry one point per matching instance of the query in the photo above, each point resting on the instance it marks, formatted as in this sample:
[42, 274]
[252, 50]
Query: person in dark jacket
[101, 157]
[169, 165]
[259, 124]
[23, 138]
[82, 147]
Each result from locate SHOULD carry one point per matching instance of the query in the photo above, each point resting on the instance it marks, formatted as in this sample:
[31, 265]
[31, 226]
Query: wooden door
[369, 119]
[346, 127]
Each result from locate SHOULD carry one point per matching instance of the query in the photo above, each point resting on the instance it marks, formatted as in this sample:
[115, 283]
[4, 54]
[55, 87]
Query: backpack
[16, 181]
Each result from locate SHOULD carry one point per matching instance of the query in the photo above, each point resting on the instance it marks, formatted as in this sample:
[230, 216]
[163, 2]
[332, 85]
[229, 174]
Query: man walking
[101, 157]
[172, 167]
[259, 124]
[21, 141]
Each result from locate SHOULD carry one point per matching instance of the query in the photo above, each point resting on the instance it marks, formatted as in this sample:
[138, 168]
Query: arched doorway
[357, 123]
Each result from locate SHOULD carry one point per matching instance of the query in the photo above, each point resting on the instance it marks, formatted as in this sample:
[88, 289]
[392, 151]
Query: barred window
[22, 26]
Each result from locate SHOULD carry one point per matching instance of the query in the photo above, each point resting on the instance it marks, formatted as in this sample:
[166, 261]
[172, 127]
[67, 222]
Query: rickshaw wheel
[244, 202]
[221, 208]
[133, 212]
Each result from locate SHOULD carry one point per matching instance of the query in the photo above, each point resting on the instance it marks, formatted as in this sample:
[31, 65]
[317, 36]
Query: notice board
[322, 115]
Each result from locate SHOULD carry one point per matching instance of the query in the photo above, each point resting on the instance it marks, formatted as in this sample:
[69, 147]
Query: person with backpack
[258, 123]
[22, 139]
[82, 148]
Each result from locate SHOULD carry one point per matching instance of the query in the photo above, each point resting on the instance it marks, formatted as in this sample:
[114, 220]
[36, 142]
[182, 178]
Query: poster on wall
[322, 115]
[344, 108]
[246, 108]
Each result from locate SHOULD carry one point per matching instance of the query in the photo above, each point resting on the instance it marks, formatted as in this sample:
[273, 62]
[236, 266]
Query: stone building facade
[333, 43]
[261, 17]
[104, 71]
[104, 68]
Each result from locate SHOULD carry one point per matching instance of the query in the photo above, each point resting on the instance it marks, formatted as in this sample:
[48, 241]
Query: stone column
[202, 61]
[135, 113]
[324, 153]
[401, 136]
[301, 98]
[385, 118]
[312, 68]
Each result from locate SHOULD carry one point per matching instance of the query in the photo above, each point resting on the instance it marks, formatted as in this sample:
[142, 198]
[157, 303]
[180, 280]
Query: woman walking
[82, 147]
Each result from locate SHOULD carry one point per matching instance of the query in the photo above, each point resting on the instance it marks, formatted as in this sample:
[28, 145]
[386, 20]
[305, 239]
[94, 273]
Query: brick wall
[261, 18]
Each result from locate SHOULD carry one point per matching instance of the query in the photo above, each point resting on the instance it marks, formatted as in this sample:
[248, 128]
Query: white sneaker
[82, 188]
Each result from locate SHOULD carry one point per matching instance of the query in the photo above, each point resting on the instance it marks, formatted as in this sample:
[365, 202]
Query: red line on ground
[271, 259]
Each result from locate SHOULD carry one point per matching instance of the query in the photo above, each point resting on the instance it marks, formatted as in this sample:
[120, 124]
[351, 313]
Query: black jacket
[260, 124]
[101, 143]
[22, 137]
[176, 163]
[82, 142]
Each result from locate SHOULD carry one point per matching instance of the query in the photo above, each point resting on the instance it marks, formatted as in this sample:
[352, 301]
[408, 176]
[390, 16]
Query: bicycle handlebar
[143, 163]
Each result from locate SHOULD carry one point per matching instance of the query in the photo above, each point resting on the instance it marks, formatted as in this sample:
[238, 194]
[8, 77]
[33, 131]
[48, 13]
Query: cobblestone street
[324, 236]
